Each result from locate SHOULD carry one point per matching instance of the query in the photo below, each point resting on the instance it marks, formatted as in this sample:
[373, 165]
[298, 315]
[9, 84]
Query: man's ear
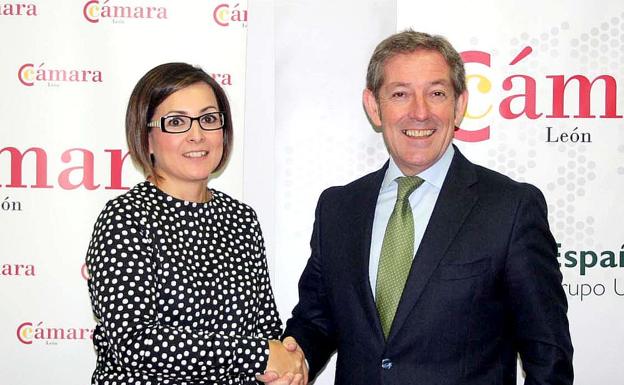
[372, 107]
[460, 107]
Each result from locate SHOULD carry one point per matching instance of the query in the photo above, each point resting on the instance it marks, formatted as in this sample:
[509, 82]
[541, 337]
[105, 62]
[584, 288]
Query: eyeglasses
[177, 124]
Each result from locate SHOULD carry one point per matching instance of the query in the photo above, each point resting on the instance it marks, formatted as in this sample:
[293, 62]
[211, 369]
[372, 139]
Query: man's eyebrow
[442, 81]
[398, 84]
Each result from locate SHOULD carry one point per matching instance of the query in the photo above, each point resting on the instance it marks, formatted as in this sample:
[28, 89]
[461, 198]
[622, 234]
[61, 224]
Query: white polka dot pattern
[181, 291]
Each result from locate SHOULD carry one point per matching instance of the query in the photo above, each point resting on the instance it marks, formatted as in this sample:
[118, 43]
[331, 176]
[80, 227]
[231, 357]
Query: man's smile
[418, 133]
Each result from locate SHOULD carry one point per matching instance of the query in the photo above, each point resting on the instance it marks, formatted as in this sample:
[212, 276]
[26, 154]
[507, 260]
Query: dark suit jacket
[484, 286]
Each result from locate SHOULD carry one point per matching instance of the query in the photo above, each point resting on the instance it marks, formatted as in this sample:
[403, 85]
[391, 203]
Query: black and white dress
[180, 291]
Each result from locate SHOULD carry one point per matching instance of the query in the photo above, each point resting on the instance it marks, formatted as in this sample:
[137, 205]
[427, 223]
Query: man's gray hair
[409, 41]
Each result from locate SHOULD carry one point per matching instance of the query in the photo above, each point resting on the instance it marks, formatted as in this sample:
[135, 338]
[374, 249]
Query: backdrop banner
[66, 72]
[544, 108]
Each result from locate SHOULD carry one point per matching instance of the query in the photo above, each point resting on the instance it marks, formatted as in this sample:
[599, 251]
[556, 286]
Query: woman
[179, 281]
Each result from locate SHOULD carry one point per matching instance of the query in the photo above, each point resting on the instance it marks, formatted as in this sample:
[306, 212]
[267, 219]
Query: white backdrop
[46, 318]
[295, 88]
[571, 145]
[323, 138]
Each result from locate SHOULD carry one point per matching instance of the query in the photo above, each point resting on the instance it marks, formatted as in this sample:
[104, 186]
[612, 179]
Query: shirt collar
[434, 175]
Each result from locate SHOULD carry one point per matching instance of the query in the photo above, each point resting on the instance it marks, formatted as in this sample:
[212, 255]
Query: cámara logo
[224, 79]
[94, 10]
[18, 9]
[28, 332]
[28, 75]
[77, 171]
[520, 96]
[224, 14]
[17, 270]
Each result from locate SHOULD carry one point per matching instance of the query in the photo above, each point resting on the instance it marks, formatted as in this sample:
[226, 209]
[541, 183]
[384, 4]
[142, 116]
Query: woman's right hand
[288, 363]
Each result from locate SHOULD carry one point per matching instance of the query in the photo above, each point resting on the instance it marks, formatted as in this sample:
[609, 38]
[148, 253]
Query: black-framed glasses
[177, 124]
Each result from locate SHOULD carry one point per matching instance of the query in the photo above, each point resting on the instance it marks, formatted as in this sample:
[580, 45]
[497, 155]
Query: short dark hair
[409, 41]
[151, 90]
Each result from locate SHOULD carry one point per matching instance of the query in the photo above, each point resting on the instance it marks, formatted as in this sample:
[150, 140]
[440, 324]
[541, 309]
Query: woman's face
[188, 158]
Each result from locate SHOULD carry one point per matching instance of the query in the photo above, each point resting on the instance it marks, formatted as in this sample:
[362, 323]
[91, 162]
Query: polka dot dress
[180, 290]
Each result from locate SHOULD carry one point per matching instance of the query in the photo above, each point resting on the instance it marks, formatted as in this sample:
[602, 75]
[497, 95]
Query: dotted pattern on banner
[597, 51]
[600, 49]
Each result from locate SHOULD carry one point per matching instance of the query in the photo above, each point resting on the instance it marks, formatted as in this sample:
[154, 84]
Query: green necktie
[397, 252]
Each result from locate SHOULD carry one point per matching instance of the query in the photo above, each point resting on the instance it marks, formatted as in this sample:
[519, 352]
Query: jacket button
[386, 363]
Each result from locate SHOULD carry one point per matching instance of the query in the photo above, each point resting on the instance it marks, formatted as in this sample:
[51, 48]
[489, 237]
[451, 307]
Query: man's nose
[419, 108]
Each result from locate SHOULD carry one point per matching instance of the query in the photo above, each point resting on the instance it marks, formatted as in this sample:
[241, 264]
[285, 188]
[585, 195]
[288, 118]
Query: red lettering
[584, 100]
[41, 173]
[482, 133]
[116, 166]
[87, 171]
[528, 96]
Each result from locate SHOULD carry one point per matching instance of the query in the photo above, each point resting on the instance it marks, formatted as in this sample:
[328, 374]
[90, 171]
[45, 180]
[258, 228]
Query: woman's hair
[153, 88]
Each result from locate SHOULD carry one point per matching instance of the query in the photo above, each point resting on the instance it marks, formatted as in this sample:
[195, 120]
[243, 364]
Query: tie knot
[407, 185]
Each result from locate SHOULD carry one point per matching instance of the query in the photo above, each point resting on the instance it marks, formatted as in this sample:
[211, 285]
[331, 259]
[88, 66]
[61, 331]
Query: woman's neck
[192, 192]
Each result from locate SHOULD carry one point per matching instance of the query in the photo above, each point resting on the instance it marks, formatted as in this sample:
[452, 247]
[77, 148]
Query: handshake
[286, 364]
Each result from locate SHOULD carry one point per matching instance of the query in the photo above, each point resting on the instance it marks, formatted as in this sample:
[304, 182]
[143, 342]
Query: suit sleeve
[311, 323]
[536, 298]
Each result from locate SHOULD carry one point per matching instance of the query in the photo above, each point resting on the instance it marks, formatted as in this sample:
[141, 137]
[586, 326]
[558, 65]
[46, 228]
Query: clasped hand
[286, 364]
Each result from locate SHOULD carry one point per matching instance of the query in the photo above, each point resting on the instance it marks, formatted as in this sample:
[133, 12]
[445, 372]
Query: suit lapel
[455, 201]
[364, 202]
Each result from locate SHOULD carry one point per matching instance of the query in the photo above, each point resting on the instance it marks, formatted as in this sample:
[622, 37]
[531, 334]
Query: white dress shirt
[422, 201]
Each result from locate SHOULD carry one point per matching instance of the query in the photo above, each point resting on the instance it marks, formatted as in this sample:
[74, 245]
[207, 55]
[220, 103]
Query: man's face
[416, 109]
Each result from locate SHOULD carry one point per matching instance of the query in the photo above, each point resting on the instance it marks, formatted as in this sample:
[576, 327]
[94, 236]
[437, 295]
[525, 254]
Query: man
[480, 283]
